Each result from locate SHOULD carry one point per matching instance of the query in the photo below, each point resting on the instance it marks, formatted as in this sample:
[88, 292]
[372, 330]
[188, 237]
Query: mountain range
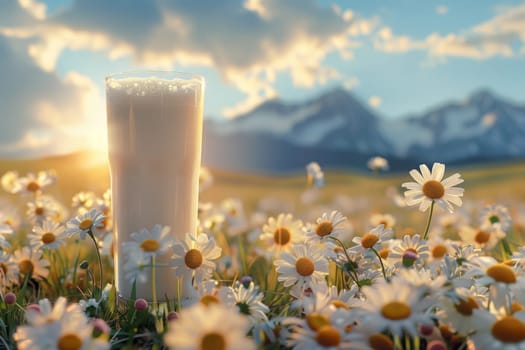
[339, 131]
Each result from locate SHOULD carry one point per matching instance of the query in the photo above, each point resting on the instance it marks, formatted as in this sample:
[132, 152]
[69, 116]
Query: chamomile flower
[84, 223]
[83, 201]
[44, 208]
[9, 270]
[281, 233]
[34, 183]
[397, 312]
[62, 327]
[328, 225]
[209, 328]
[504, 332]
[383, 219]
[373, 239]
[315, 175]
[495, 215]
[9, 181]
[195, 256]
[30, 262]
[457, 310]
[377, 164]
[249, 302]
[430, 187]
[150, 243]
[485, 237]
[47, 235]
[410, 251]
[304, 265]
[9, 216]
[234, 216]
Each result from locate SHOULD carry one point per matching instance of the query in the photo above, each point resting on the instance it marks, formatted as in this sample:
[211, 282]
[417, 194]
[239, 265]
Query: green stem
[354, 276]
[381, 262]
[425, 235]
[101, 269]
[153, 285]
[506, 248]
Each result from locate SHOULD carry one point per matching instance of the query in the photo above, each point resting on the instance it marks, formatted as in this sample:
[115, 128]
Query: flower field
[429, 259]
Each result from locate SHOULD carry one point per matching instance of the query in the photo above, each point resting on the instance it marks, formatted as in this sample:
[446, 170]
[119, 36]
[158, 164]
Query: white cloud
[441, 10]
[494, 37]
[34, 8]
[242, 39]
[375, 101]
[43, 114]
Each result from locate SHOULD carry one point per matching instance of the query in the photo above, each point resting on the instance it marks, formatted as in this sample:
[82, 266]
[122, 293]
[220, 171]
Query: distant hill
[339, 131]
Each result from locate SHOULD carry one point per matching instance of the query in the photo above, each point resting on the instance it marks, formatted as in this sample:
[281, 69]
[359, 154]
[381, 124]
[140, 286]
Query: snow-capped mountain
[337, 130]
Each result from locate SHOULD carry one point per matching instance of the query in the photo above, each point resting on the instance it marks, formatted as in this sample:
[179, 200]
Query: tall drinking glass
[154, 135]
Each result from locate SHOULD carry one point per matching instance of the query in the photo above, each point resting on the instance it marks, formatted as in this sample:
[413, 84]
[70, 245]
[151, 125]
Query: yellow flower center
[282, 236]
[69, 341]
[509, 329]
[304, 266]
[324, 228]
[380, 341]
[466, 306]
[150, 245]
[26, 266]
[396, 310]
[39, 211]
[501, 273]
[340, 305]
[85, 224]
[439, 251]
[328, 336]
[315, 321]
[383, 253]
[369, 240]
[193, 258]
[481, 237]
[213, 341]
[433, 189]
[33, 186]
[516, 307]
[48, 237]
[209, 299]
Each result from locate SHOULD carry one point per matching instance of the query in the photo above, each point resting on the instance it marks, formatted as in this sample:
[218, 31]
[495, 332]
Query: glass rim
[160, 74]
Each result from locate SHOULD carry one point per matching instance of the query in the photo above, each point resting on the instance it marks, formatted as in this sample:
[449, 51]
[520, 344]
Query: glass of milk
[154, 135]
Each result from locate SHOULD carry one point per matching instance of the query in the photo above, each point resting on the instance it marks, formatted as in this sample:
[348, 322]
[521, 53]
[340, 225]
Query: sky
[397, 56]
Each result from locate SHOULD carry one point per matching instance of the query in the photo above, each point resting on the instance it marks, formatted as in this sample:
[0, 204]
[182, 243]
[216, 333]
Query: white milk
[155, 134]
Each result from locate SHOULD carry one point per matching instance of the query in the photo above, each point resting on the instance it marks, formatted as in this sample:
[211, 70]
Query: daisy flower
[486, 237]
[377, 164]
[204, 327]
[195, 256]
[9, 181]
[137, 267]
[249, 302]
[328, 225]
[429, 188]
[32, 184]
[409, 251]
[47, 235]
[84, 223]
[44, 208]
[304, 265]
[495, 215]
[10, 216]
[315, 175]
[9, 270]
[60, 327]
[281, 233]
[505, 333]
[149, 243]
[382, 219]
[83, 201]
[30, 262]
[373, 239]
[234, 216]
[397, 312]
[458, 311]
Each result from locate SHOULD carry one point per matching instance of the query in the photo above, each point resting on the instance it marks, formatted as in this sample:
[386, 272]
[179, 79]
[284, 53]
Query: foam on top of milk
[152, 86]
